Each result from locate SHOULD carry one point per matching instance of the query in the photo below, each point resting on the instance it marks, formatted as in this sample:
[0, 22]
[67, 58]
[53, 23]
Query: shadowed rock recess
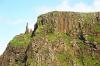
[58, 39]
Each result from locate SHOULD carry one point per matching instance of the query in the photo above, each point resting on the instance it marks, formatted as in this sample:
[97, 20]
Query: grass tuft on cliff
[21, 40]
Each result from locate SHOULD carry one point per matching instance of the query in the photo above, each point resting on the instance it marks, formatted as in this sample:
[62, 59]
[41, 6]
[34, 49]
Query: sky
[14, 14]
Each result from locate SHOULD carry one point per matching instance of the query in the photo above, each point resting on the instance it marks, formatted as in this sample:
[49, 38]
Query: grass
[90, 61]
[58, 36]
[21, 40]
[93, 38]
[44, 65]
[64, 58]
[90, 37]
[97, 27]
[52, 37]
[85, 56]
[97, 39]
[61, 57]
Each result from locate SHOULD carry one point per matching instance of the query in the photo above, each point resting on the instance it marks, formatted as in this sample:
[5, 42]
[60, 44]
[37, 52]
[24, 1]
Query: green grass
[15, 65]
[21, 40]
[63, 56]
[93, 38]
[44, 65]
[52, 37]
[86, 56]
[97, 39]
[97, 27]
[58, 36]
[90, 61]
[90, 37]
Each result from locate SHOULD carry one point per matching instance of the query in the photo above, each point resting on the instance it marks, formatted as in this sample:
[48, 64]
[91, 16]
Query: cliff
[58, 39]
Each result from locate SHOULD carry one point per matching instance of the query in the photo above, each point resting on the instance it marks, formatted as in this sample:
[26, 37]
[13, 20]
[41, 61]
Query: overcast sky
[14, 14]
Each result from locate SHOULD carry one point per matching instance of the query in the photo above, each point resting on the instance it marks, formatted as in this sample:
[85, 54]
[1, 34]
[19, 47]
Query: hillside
[58, 39]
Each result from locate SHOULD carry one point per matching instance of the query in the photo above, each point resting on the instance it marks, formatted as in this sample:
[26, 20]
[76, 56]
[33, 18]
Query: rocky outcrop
[58, 39]
[69, 21]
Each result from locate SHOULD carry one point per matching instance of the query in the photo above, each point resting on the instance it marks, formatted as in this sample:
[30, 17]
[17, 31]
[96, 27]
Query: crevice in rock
[25, 58]
[35, 28]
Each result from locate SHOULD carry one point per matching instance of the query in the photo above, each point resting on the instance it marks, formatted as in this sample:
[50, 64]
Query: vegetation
[21, 40]
[90, 37]
[97, 39]
[93, 38]
[97, 28]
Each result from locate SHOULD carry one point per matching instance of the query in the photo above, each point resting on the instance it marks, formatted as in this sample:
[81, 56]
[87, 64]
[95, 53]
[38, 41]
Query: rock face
[59, 39]
[69, 21]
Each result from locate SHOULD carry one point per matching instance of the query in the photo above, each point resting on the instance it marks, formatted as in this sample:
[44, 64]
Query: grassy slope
[21, 40]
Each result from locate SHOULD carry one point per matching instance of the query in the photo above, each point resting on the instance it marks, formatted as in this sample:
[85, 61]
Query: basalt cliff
[58, 39]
